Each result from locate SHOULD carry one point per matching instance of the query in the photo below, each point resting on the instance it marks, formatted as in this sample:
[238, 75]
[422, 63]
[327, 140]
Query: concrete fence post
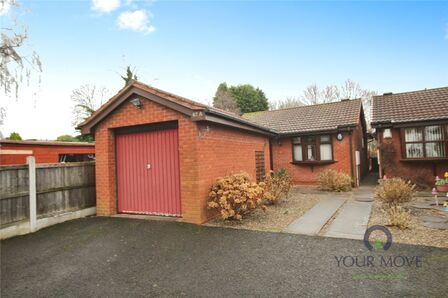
[32, 192]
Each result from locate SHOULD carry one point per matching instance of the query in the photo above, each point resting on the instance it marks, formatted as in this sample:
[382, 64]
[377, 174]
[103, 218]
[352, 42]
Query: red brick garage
[158, 153]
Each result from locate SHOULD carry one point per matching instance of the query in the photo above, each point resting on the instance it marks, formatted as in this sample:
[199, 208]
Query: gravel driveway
[128, 257]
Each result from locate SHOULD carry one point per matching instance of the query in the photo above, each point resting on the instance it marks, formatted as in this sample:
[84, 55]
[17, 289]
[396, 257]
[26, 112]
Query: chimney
[387, 93]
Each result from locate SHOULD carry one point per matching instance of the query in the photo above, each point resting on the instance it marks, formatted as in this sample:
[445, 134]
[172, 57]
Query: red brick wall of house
[203, 155]
[306, 174]
[224, 151]
[42, 153]
[422, 173]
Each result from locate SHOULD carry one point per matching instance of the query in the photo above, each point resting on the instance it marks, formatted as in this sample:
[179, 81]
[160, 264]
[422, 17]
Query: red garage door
[148, 172]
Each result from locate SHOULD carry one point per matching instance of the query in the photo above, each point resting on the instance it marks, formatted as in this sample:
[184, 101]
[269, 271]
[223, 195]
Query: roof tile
[320, 117]
[428, 104]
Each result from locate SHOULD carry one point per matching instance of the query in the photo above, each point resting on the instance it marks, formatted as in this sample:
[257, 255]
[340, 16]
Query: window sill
[424, 159]
[313, 163]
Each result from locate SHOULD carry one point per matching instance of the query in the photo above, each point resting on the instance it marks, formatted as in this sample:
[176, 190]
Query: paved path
[120, 257]
[351, 215]
[351, 221]
[315, 218]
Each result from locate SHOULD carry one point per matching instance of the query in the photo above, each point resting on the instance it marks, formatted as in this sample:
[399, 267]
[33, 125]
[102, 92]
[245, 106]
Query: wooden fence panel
[60, 188]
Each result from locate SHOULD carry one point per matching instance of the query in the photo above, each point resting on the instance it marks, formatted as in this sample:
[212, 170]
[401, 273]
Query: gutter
[389, 123]
[339, 128]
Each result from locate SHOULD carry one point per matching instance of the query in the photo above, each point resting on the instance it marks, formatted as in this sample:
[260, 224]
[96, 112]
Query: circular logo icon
[377, 245]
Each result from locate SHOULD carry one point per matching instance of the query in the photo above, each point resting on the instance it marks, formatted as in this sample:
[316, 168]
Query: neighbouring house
[412, 134]
[313, 138]
[159, 153]
[15, 152]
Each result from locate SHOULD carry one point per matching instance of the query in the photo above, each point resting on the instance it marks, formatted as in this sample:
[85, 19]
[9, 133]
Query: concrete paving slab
[351, 222]
[432, 218]
[315, 218]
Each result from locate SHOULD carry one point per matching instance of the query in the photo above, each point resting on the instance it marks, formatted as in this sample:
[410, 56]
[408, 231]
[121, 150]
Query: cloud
[105, 6]
[137, 20]
[4, 8]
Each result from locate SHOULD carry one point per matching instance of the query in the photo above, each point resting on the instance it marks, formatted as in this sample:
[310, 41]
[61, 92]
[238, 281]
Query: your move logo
[377, 259]
[378, 245]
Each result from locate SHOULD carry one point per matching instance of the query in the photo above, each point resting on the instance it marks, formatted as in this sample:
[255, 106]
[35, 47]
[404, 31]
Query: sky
[189, 47]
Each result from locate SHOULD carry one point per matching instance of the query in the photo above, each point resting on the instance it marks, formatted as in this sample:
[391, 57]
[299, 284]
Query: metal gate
[148, 172]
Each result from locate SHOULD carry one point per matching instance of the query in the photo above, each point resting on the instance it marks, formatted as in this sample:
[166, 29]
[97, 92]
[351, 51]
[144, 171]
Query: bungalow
[412, 134]
[314, 138]
[159, 153]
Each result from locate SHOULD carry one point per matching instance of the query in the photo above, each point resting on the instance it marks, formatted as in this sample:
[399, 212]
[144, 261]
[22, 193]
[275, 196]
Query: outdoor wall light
[137, 103]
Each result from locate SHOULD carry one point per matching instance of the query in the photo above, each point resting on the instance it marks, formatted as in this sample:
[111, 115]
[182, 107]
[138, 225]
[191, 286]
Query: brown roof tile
[171, 97]
[320, 117]
[166, 95]
[422, 105]
[182, 101]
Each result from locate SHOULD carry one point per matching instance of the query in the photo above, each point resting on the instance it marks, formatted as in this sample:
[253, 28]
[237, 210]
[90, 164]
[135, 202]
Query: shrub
[277, 186]
[399, 218]
[235, 196]
[335, 181]
[394, 191]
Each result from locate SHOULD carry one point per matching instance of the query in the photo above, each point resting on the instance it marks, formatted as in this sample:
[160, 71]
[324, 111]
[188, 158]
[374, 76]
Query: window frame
[316, 143]
[422, 128]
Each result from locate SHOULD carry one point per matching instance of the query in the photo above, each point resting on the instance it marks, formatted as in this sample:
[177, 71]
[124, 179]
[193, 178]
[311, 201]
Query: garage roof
[195, 110]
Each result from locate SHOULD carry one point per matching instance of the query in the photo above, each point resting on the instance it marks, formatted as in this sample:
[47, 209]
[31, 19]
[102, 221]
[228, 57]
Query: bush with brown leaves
[398, 217]
[332, 180]
[277, 186]
[235, 196]
[394, 191]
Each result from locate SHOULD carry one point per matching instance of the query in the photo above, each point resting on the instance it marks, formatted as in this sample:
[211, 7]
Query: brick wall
[422, 173]
[224, 151]
[204, 154]
[42, 153]
[307, 174]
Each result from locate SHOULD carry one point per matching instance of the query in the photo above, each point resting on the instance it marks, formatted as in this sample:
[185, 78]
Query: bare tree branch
[87, 99]
[14, 63]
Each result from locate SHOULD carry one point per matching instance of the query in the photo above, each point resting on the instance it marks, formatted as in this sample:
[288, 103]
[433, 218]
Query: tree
[224, 100]
[129, 76]
[87, 99]
[313, 94]
[240, 99]
[15, 61]
[78, 138]
[86, 138]
[67, 138]
[289, 102]
[14, 136]
[249, 99]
